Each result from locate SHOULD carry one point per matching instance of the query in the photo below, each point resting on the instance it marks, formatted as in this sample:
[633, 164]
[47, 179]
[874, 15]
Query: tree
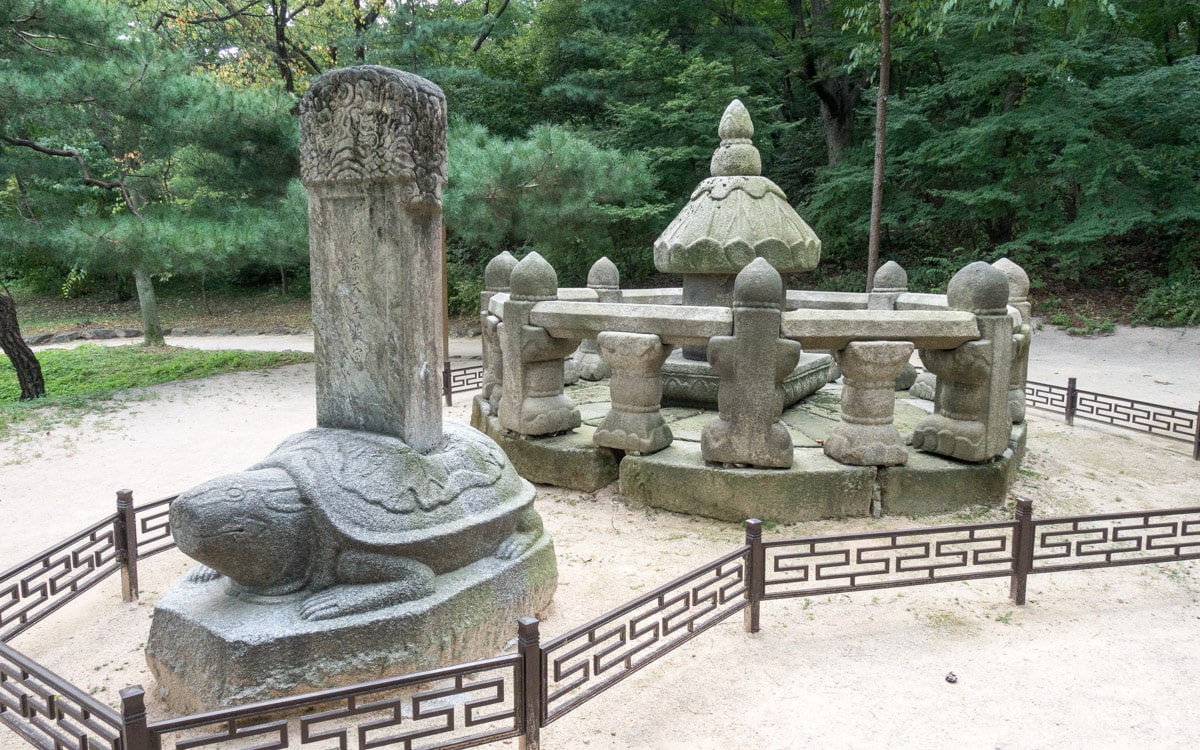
[29, 370]
[120, 141]
[554, 192]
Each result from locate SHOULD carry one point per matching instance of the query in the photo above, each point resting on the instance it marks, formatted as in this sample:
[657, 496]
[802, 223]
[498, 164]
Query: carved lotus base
[209, 650]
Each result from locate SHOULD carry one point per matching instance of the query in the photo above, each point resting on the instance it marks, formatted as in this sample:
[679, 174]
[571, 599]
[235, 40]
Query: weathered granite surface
[373, 157]
[244, 651]
[381, 542]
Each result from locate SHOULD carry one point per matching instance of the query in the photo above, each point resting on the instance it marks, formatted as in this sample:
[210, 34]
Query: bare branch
[491, 25]
[83, 168]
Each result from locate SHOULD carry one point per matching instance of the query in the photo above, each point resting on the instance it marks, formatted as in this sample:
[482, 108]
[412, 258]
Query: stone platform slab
[209, 650]
[815, 487]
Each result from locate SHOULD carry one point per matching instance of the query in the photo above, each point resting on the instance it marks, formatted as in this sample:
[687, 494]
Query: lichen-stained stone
[866, 435]
[971, 419]
[635, 422]
[373, 157]
[736, 215]
[382, 542]
[533, 402]
[752, 364]
[678, 479]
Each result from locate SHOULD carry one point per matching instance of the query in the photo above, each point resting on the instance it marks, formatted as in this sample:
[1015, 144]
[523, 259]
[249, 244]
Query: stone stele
[382, 542]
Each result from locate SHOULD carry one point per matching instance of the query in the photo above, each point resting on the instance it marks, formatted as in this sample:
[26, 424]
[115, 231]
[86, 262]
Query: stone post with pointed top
[1018, 297]
[752, 364]
[533, 402]
[495, 281]
[971, 419]
[891, 280]
[373, 157]
[605, 280]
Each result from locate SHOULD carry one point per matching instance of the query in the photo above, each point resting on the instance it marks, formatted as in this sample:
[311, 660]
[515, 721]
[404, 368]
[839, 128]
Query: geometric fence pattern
[589, 659]
[43, 710]
[459, 706]
[1169, 422]
[888, 559]
[515, 695]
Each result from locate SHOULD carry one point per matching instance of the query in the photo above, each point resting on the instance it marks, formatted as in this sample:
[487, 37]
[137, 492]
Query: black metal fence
[1170, 422]
[460, 380]
[516, 695]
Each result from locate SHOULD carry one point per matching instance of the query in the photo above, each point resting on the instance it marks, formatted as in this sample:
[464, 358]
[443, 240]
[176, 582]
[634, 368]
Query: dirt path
[1103, 659]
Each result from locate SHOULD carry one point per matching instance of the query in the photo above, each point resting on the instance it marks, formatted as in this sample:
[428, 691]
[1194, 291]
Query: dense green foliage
[77, 377]
[1061, 133]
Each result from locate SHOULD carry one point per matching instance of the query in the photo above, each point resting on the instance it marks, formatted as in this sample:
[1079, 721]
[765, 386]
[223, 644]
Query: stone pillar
[971, 418]
[495, 281]
[634, 423]
[605, 279]
[533, 402]
[1018, 297]
[373, 157]
[866, 435]
[752, 364]
[891, 280]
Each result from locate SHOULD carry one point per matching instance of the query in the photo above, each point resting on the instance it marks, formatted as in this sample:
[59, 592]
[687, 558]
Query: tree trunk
[151, 325]
[29, 370]
[885, 80]
[837, 116]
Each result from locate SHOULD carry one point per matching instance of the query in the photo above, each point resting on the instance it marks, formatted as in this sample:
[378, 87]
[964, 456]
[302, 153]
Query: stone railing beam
[805, 300]
[914, 301]
[675, 325]
[834, 329]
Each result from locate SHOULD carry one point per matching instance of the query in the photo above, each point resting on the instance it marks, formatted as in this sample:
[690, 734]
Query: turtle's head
[253, 527]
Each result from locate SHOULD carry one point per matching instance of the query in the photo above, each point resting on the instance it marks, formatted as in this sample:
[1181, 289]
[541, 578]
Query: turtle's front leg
[529, 529]
[369, 581]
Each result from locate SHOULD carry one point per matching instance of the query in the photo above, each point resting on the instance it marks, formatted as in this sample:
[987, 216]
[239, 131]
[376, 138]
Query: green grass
[81, 379]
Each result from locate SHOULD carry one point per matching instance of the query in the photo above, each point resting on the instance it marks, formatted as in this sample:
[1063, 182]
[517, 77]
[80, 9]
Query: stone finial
[978, 288]
[735, 216]
[737, 155]
[759, 285]
[891, 277]
[604, 275]
[373, 124]
[534, 280]
[1018, 280]
[498, 273]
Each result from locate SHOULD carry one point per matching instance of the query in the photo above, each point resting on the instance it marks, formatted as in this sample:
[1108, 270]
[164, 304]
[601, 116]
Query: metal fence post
[1022, 550]
[125, 540]
[1072, 399]
[530, 647]
[1196, 437]
[755, 575]
[446, 377]
[134, 733]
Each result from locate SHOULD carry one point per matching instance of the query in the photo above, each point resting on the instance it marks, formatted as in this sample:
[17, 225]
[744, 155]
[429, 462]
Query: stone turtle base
[208, 650]
[815, 487]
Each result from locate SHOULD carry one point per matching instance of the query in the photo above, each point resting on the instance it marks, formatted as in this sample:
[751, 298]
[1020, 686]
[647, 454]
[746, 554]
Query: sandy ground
[1103, 659]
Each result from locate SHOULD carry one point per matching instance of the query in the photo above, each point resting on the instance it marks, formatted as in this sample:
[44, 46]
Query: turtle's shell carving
[360, 514]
